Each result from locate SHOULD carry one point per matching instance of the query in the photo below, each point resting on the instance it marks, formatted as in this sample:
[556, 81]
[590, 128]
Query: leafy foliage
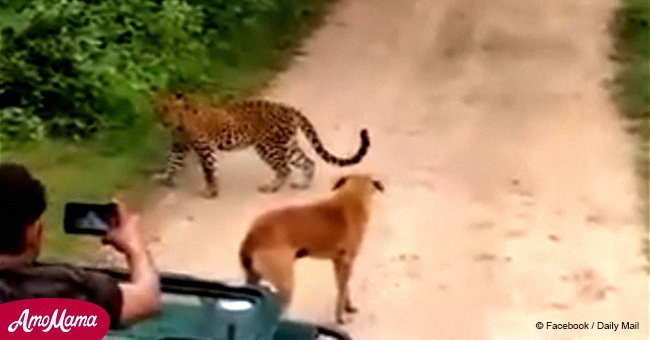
[631, 28]
[632, 49]
[71, 68]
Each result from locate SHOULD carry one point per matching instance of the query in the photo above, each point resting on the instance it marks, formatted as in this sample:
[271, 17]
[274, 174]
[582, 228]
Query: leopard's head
[169, 107]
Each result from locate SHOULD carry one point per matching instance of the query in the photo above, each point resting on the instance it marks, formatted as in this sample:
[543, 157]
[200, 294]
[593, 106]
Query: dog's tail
[246, 260]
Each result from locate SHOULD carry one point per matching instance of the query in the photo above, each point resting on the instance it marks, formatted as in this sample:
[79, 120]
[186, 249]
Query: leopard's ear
[340, 182]
[179, 95]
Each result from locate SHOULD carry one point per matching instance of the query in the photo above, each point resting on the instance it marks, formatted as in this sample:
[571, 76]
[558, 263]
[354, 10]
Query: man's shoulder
[54, 279]
[54, 271]
[61, 281]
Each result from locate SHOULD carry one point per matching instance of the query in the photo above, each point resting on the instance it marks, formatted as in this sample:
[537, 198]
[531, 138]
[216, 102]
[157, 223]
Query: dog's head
[359, 183]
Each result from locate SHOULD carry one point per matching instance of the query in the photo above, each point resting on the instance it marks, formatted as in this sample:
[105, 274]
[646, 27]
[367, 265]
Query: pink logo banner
[50, 318]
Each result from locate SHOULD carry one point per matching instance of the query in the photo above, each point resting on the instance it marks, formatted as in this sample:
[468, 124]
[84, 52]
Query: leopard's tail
[309, 131]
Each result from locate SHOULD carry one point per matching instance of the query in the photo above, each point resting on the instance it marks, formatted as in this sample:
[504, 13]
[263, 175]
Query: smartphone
[89, 219]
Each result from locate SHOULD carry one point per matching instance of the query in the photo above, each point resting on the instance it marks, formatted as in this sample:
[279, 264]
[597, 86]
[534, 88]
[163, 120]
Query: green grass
[631, 30]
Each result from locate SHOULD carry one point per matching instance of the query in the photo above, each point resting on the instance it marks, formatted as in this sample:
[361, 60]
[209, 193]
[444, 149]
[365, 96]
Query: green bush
[71, 68]
[632, 50]
[631, 29]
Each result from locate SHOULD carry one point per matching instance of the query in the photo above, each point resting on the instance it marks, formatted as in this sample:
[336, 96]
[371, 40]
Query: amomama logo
[50, 318]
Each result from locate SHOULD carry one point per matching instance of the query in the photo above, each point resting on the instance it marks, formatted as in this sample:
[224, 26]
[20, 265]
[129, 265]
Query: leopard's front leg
[208, 159]
[175, 161]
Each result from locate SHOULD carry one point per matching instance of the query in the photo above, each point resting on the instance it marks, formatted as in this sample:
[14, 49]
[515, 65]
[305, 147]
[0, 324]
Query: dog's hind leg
[246, 261]
[276, 266]
[252, 277]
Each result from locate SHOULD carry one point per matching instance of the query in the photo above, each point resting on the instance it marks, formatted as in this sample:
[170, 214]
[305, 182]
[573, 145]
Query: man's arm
[141, 295]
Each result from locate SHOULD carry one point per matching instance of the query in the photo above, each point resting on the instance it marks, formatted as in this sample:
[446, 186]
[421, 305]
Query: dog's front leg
[343, 270]
[349, 306]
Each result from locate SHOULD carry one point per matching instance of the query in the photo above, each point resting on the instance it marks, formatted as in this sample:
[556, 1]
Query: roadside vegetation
[75, 77]
[631, 31]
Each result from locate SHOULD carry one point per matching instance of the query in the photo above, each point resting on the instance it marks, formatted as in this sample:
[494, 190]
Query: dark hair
[22, 201]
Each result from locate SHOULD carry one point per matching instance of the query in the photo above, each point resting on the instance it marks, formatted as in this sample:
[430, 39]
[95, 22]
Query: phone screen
[89, 219]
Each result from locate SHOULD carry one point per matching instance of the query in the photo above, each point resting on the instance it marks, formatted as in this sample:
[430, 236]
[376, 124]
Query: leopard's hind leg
[298, 159]
[277, 157]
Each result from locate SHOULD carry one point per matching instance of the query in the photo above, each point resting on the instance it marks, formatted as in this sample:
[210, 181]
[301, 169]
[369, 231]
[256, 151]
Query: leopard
[206, 126]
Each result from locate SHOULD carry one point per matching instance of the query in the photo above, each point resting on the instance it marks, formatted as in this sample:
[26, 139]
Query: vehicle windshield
[188, 316]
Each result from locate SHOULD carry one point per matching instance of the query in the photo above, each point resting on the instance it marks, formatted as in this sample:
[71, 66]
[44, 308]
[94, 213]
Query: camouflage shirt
[61, 281]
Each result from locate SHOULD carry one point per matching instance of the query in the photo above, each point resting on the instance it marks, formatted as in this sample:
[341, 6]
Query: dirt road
[511, 195]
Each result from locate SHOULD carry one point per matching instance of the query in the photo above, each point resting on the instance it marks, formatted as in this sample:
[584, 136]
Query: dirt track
[510, 186]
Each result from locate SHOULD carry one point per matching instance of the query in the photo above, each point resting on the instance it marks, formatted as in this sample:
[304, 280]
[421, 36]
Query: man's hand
[125, 236]
[141, 295]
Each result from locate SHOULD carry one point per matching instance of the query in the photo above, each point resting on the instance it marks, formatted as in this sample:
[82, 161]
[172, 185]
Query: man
[22, 202]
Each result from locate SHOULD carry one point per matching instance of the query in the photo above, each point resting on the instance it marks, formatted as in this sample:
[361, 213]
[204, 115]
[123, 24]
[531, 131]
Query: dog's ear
[340, 182]
[378, 185]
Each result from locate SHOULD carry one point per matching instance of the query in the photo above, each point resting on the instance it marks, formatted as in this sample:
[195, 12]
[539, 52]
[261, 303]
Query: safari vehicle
[195, 309]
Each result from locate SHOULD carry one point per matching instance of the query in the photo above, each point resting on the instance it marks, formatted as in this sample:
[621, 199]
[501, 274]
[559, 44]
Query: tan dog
[329, 229]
